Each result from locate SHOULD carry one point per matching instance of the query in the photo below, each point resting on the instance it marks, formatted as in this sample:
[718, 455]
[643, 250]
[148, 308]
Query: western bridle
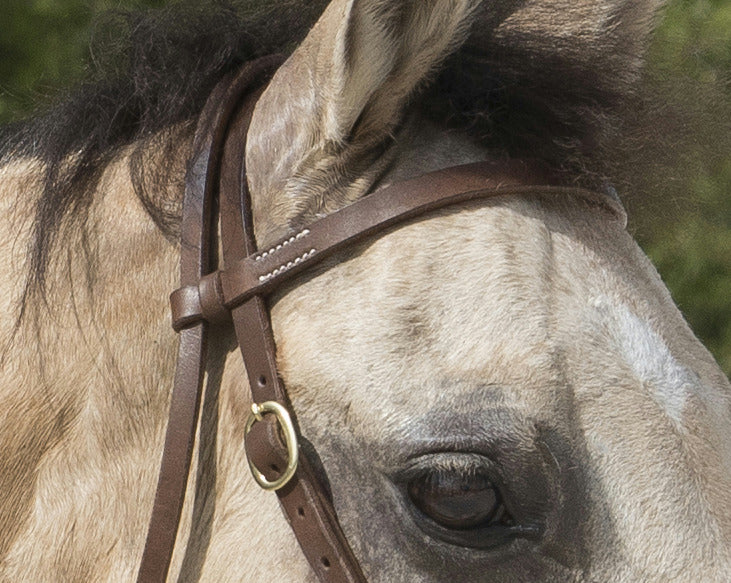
[216, 196]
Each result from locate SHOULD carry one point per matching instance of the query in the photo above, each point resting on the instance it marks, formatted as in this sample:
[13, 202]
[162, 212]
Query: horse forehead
[496, 295]
[463, 297]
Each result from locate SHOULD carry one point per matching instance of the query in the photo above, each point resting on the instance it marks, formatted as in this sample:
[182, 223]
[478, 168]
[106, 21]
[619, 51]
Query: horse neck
[90, 369]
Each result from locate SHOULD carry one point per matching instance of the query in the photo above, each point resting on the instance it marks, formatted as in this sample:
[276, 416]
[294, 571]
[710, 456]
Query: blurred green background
[684, 223]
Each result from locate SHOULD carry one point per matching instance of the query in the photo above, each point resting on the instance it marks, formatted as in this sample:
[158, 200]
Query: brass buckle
[290, 439]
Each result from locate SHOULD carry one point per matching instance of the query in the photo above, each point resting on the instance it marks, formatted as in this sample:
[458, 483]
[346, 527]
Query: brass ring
[290, 439]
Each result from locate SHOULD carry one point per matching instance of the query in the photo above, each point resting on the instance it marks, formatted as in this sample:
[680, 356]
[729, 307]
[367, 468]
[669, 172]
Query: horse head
[498, 390]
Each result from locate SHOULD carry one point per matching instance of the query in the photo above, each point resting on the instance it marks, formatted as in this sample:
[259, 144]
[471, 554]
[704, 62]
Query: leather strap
[308, 509]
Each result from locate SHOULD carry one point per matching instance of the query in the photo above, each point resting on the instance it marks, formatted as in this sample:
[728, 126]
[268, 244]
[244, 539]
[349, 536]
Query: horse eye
[457, 501]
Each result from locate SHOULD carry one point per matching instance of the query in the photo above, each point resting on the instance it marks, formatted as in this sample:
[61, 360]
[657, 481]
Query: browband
[262, 272]
[211, 296]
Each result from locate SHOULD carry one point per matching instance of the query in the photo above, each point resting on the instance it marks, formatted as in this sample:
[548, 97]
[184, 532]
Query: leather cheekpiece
[192, 304]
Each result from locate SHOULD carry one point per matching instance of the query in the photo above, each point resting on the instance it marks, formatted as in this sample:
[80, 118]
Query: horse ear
[332, 106]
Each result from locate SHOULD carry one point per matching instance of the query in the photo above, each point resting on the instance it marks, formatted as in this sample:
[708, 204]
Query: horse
[510, 365]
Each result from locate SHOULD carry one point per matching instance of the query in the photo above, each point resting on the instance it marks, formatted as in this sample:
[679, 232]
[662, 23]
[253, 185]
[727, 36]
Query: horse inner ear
[383, 52]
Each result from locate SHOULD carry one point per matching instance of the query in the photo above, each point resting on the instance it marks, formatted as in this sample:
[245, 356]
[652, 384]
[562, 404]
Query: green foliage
[692, 250]
[40, 48]
[695, 38]
[45, 43]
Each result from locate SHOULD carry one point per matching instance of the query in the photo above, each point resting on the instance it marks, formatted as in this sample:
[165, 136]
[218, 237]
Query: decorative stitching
[287, 266]
[283, 244]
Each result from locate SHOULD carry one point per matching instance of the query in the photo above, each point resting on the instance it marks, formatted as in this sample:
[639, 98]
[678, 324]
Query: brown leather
[261, 273]
[238, 292]
[309, 511]
[197, 260]
[265, 448]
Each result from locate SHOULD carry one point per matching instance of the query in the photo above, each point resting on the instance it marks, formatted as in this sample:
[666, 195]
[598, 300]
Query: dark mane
[149, 71]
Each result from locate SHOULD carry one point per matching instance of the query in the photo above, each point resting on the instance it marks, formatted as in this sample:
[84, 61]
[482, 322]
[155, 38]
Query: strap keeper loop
[212, 304]
[193, 304]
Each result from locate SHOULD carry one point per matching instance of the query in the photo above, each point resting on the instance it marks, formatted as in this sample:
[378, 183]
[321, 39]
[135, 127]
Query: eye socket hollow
[458, 501]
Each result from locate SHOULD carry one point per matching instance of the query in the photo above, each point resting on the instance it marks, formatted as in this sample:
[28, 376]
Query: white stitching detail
[283, 244]
[287, 266]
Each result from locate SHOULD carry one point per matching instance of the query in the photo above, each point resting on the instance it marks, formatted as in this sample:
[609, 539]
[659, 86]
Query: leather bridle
[216, 192]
